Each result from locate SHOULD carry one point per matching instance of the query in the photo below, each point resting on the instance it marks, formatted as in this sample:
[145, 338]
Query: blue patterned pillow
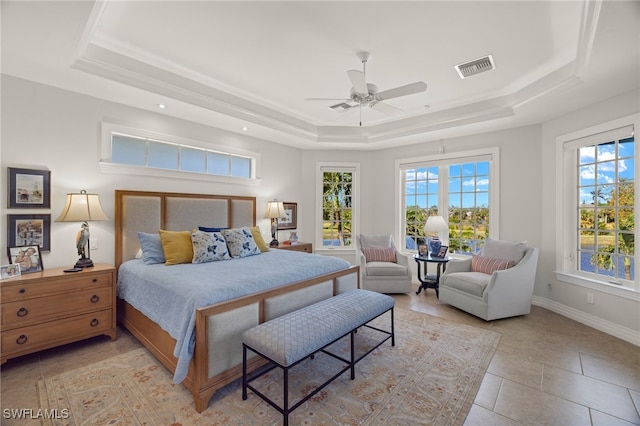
[208, 247]
[240, 242]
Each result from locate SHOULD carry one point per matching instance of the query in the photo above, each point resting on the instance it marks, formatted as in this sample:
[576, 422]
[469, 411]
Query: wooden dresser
[50, 308]
[306, 247]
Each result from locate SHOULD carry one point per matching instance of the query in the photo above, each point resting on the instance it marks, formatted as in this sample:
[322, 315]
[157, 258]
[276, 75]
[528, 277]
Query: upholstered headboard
[149, 211]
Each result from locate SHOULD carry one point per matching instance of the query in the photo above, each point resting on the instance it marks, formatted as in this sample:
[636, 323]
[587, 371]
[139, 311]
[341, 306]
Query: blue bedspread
[169, 295]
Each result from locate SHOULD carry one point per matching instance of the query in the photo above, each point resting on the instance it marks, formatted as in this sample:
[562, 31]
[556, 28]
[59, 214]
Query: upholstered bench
[287, 340]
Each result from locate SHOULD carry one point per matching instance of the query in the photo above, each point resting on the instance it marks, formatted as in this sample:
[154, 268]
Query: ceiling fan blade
[327, 99]
[358, 82]
[409, 89]
[385, 108]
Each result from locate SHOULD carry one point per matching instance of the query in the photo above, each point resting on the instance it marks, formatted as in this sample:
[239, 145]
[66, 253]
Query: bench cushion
[294, 336]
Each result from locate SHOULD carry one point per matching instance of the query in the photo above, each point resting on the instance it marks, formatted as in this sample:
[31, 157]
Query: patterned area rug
[431, 376]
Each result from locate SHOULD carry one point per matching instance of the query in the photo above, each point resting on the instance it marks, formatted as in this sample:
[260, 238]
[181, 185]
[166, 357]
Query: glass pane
[606, 172]
[455, 185]
[626, 169]
[482, 168]
[163, 155]
[128, 150]
[626, 147]
[482, 199]
[606, 151]
[626, 267]
[468, 169]
[455, 170]
[432, 202]
[240, 167]
[587, 240]
[192, 160]
[587, 175]
[587, 195]
[217, 164]
[468, 185]
[587, 218]
[468, 200]
[587, 154]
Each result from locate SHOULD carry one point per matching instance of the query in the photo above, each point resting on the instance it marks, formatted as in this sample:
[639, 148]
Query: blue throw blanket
[170, 295]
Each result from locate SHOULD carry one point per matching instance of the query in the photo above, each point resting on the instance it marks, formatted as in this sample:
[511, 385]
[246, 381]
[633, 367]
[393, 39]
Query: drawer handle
[23, 291]
[95, 280]
[94, 322]
[22, 339]
[22, 312]
[95, 298]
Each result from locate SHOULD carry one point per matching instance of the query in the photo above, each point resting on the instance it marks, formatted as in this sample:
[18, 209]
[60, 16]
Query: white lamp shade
[82, 207]
[435, 224]
[275, 209]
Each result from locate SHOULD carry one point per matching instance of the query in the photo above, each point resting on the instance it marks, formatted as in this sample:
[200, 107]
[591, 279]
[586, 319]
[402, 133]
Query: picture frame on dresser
[291, 219]
[9, 271]
[28, 188]
[29, 229]
[28, 257]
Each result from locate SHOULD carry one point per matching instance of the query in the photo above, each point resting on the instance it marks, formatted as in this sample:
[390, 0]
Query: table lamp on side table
[434, 225]
[82, 207]
[275, 211]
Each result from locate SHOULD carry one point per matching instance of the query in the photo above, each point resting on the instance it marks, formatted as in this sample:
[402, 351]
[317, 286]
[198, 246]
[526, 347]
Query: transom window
[134, 151]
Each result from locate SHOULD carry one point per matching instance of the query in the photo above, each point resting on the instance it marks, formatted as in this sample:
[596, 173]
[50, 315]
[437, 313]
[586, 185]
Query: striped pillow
[379, 254]
[488, 265]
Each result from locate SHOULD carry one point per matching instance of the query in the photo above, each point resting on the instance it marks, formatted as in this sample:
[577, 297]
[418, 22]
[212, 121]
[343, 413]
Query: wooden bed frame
[217, 359]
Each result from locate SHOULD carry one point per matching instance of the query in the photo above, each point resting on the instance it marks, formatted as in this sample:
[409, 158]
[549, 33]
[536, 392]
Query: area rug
[431, 376]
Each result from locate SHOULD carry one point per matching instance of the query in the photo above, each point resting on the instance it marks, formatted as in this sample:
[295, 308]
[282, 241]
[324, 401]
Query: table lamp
[434, 225]
[82, 207]
[275, 210]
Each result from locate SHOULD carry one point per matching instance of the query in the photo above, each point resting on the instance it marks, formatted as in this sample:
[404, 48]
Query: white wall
[48, 128]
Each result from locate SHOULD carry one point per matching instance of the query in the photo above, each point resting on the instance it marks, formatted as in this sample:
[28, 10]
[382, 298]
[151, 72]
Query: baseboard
[613, 329]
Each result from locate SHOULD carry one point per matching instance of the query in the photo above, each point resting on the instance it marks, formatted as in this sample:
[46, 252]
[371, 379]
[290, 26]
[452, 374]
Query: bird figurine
[82, 239]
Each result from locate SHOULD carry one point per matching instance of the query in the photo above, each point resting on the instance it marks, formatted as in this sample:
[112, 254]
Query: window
[140, 152]
[456, 187]
[599, 208]
[338, 187]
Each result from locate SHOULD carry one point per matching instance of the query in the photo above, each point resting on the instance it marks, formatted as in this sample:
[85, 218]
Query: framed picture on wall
[28, 189]
[29, 229]
[291, 220]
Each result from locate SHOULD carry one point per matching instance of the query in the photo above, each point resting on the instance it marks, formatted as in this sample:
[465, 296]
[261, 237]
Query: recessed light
[245, 128]
[427, 106]
[162, 106]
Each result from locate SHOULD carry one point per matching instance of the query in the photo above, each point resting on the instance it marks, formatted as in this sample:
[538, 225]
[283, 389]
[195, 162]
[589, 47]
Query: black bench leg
[285, 401]
[393, 333]
[244, 372]
[353, 357]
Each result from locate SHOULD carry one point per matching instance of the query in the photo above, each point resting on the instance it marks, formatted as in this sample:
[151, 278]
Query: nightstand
[50, 308]
[306, 247]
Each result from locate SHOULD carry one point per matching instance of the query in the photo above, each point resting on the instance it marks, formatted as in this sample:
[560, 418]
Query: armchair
[382, 267]
[487, 293]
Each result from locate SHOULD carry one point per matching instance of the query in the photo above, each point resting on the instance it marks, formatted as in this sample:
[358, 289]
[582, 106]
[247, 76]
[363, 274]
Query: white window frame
[106, 166]
[354, 168]
[491, 154]
[566, 220]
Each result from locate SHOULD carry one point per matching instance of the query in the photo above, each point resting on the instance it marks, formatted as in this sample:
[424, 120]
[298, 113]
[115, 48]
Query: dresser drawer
[32, 311]
[54, 333]
[52, 285]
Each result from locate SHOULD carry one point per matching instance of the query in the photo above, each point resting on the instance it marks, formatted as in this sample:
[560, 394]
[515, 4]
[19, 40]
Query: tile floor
[547, 370]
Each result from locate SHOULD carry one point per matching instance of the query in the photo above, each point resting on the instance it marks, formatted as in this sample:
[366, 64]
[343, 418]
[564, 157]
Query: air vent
[476, 66]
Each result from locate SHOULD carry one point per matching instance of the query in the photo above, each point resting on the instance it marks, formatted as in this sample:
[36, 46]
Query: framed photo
[29, 230]
[28, 257]
[29, 189]
[422, 250]
[291, 221]
[443, 251]
[9, 271]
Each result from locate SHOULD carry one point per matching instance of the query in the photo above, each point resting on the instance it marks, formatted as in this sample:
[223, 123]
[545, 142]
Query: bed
[209, 355]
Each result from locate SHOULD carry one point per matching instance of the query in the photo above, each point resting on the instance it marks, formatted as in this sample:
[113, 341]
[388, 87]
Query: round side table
[430, 280]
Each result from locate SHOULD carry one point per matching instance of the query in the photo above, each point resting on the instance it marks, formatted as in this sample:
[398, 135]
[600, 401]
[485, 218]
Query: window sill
[605, 287]
[123, 169]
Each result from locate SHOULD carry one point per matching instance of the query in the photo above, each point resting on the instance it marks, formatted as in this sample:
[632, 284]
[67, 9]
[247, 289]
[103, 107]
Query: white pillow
[208, 247]
[240, 242]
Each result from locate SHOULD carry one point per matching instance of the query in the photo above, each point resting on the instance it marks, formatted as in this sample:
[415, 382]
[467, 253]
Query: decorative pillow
[488, 265]
[151, 246]
[208, 229]
[177, 246]
[209, 247]
[240, 242]
[257, 237]
[379, 254]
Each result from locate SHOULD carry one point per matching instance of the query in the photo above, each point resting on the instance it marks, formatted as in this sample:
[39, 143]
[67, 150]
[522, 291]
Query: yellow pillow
[177, 246]
[257, 237]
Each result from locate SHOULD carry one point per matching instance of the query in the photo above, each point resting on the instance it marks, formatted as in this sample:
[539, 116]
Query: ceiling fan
[366, 94]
